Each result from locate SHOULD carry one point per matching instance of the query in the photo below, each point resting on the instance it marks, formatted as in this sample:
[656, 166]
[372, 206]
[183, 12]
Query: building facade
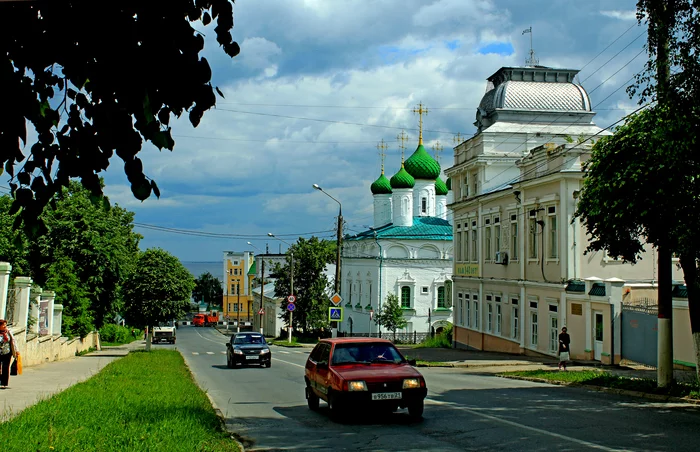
[520, 269]
[408, 251]
[238, 284]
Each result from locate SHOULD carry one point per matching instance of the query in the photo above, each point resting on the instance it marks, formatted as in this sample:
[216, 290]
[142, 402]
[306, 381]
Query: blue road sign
[290, 307]
[335, 314]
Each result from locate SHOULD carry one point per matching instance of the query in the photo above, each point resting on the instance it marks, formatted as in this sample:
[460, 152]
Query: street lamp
[262, 286]
[339, 244]
[291, 282]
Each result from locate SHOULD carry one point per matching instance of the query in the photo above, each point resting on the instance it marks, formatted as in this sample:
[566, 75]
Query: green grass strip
[146, 401]
[608, 380]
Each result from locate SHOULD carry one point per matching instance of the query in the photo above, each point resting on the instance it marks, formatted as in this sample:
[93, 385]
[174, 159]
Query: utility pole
[262, 299]
[291, 290]
[238, 310]
[664, 367]
[339, 245]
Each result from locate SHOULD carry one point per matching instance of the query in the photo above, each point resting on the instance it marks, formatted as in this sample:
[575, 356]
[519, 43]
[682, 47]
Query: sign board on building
[336, 299]
[466, 269]
[335, 314]
[576, 309]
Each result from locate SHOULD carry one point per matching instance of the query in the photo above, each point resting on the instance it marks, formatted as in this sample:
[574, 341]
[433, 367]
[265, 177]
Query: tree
[99, 243]
[72, 294]
[390, 316]
[310, 282]
[94, 79]
[209, 289]
[159, 290]
[642, 184]
[13, 243]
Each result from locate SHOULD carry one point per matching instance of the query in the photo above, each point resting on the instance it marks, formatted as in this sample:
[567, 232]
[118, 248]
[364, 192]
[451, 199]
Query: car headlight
[357, 386]
[411, 383]
[264, 351]
[237, 351]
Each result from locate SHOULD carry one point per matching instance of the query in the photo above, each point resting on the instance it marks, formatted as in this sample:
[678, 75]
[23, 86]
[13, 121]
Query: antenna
[532, 60]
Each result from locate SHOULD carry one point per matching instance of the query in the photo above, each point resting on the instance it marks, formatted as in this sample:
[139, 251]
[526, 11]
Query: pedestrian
[564, 350]
[8, 351]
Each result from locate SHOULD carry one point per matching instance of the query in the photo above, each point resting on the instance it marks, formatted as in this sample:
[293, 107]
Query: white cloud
[621, 15]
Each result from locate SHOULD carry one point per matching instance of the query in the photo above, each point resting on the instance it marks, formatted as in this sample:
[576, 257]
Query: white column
[57, 319]
[589, 327]
[21, 311]
[35, 295]
[50, 298]
[5, 269]
[615, 287]
[524, 320]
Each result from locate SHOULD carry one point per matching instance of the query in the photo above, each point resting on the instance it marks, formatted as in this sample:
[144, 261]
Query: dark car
[246, 349]
[363, 372]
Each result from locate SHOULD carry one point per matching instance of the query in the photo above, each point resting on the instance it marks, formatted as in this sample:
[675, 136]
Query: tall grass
[112, 334]
[146, 401]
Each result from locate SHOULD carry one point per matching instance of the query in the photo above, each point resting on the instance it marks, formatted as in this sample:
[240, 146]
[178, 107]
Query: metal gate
[640, 333]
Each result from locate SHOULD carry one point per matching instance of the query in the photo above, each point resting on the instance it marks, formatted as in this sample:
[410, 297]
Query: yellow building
[239, 271]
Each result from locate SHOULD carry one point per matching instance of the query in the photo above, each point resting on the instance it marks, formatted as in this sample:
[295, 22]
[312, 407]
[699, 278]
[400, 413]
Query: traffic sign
[336, 299]
[335, 314]
[291, 307]
[261, 311]
[291, 299]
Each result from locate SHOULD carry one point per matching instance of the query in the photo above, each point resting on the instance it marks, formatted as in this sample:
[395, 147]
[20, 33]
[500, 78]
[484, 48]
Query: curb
[627, 392]
[222, 419]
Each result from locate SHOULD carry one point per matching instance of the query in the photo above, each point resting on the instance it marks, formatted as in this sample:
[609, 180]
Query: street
[464, 411]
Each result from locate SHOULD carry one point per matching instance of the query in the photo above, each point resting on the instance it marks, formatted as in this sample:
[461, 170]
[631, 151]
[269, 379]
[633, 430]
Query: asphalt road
[464, 411]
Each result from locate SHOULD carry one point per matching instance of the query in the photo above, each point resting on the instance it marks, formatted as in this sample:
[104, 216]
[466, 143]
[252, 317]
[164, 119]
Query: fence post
[415, 337]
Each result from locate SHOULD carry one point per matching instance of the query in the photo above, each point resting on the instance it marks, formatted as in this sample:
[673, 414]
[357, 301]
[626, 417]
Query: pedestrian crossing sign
[335, 314]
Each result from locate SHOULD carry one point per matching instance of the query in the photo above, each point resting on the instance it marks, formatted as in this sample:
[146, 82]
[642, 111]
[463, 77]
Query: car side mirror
[228, 344]
[322, 365]
[412, 362]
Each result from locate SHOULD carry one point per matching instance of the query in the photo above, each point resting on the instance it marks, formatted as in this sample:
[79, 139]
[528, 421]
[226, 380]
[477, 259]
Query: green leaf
[156, 191]
[220, 93]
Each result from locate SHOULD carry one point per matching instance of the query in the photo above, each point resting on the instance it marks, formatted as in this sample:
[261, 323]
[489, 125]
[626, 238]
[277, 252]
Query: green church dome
[421, 165]
[402, 179]
[448, 183]
[381, 186]
[440, 187]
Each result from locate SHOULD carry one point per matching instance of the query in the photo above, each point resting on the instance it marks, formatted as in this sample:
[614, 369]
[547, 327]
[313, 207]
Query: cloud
[620, 15]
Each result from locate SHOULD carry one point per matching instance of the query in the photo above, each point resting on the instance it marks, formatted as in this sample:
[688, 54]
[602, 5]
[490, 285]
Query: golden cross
[437, 147]
[382, 146]
[421, 111]
[402, 138]
[458, 138]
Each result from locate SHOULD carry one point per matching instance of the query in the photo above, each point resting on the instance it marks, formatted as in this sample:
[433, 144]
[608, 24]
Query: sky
[319, 83]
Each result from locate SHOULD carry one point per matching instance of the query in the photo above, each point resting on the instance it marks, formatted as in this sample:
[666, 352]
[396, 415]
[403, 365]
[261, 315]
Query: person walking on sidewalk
[564, 355]
[8, 350]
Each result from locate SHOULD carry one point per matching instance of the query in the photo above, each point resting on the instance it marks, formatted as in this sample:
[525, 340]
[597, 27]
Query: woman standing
[564, 355]
[8, 350]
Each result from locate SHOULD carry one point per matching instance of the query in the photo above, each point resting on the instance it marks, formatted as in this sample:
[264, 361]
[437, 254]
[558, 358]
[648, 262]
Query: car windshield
[249, 339]
[367, 353]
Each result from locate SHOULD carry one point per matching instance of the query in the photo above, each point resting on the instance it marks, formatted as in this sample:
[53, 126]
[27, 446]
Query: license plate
[252, 357]
[386, 396]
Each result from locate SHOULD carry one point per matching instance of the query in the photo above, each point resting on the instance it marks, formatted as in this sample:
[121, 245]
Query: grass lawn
[116, 344]
[608, 380]
[285, 343]
[142, 402]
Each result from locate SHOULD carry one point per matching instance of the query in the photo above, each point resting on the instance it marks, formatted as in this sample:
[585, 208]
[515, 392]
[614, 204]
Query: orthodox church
[407, 252]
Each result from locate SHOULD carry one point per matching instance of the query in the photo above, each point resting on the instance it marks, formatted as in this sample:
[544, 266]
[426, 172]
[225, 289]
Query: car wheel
[311, 399]
[268, 364]
[415, 410]
[229, 364]
[334, 407]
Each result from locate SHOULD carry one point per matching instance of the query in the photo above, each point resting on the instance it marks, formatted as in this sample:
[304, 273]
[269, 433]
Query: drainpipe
[381, 261]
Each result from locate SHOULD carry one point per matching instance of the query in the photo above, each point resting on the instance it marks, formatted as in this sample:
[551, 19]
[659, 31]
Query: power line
[223, 235]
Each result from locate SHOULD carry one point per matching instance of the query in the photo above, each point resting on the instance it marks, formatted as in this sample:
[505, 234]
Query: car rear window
[367, 353]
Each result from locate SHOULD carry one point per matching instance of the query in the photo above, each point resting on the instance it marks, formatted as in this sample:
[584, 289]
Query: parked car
[246, 349]
[363, 372]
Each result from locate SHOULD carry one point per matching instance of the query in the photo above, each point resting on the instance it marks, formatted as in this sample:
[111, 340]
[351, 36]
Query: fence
[397, 338]
[11, 306]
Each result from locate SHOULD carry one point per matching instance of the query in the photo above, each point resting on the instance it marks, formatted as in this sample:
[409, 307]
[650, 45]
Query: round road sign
[291, 307]
[291, 298]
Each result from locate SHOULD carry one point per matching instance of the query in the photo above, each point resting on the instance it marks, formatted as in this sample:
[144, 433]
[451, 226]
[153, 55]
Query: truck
[206, 319]
[164, 332]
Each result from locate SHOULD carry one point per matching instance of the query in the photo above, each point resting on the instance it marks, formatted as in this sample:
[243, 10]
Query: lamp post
[339, 243]
[291, 283]
[262, 284]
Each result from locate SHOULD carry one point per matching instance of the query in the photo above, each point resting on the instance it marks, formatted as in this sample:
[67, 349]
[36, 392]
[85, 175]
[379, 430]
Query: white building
[408, 251]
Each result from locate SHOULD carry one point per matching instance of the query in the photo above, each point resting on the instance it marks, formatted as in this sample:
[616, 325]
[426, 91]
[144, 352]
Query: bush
[119, 334]
[442, 340]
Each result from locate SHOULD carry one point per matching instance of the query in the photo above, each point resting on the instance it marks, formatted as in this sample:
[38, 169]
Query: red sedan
[353, 372]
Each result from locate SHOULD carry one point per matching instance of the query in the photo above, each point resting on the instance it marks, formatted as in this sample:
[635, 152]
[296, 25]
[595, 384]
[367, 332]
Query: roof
[402, 179]
[597, 290]
[421, 165]
[680, 291]
[517, 95]
[440, 187]
[424, 228]
[381, 186]
[340, 340]
[269, 290]
[252, 270]
[576, 286]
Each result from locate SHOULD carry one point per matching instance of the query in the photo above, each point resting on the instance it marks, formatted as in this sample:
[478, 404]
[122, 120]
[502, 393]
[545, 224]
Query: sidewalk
[45, 380]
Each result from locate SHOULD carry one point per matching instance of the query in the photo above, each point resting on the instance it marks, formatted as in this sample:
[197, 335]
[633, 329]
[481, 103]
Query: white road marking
[287, 362]
[223, 352]
[522, 426]
[210, 353]
[195, 353]
[206, 338]
[286, 353]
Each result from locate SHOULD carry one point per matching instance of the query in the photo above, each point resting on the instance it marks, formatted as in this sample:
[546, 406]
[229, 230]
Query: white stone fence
[35, 321]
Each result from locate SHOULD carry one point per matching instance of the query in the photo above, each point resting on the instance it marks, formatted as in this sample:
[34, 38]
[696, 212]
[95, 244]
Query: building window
[458, 242]
[235, 263]
[532, 245]
[498, 319]
[465, 243]
[424, 205]
[553, 236]
[441, 297]
[229, 307]
[405, 297]
[487, 242]
[476, 314]
[349, 292]
[497, 234]
[468, 312]
[474, 250]
[424, 290]
[474, 185]
[533, 329]
[553, 334]
[459, 319]
[235, 307]
[513, 237]
[465, 186]
[233, 289]
[515, 323]
[489, 318]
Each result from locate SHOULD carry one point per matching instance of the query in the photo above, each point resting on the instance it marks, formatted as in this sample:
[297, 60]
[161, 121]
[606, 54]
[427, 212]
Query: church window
[441, 297]
[405, 297]
[424, 205]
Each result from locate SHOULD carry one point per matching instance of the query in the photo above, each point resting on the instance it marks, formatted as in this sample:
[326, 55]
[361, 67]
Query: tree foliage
[390, 316]
[98, 78]
[209, 289]
[310, 282]
[13, 243]
[158, 290]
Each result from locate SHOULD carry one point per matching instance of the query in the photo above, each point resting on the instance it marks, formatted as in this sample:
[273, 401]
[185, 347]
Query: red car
[352, 372]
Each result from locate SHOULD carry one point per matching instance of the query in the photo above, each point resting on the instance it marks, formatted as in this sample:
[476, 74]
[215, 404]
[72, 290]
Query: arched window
[405, 297]
[441, 297]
